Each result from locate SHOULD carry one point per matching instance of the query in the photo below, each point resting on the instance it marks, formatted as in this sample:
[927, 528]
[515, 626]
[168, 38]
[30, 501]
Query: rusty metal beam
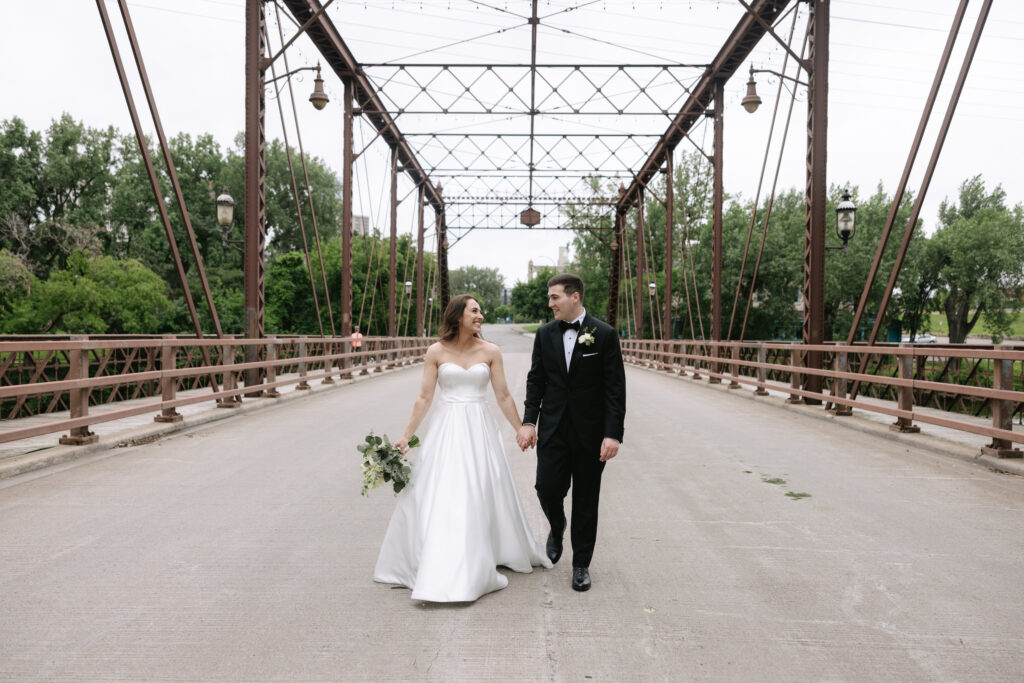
[666, 326]
[816, 195]
[641, 267]
[255, 182]
[346, 211]
[419, 264]
[393, 248]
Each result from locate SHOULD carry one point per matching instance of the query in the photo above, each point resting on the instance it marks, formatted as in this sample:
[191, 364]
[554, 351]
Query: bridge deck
[243, 550]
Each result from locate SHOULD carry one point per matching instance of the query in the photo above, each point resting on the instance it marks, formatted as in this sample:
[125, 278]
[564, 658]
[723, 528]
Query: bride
[460, 517]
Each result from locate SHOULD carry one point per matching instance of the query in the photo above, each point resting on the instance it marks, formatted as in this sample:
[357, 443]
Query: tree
[530, 299]
[980, 253]
[89, 297]
[484, 283]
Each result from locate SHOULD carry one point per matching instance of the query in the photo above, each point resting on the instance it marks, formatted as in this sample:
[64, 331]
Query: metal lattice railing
[46, 375]
[901, 380]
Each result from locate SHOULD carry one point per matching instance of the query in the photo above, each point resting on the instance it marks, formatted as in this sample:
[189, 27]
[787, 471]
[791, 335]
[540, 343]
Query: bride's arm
[423, 399]
[501, 392]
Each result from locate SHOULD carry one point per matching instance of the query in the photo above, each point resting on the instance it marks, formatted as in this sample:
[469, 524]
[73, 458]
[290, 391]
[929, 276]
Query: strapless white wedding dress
[460, 517]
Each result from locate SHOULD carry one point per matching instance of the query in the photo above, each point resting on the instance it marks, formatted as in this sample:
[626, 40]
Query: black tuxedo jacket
[591, 394]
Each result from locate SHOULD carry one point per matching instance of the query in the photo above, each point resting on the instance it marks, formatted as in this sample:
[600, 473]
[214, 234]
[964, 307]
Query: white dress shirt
[569, 339]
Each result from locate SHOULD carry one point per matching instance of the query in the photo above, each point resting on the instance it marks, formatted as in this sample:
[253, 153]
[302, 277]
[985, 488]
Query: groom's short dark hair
[571, 283]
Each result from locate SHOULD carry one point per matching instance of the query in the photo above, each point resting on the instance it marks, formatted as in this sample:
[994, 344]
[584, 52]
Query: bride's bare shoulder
[492, 350]
[434, 352]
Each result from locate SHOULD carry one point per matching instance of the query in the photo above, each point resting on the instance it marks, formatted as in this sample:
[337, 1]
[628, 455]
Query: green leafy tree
[89, 297]
[530, 299]
[485, 283]
[980, 254]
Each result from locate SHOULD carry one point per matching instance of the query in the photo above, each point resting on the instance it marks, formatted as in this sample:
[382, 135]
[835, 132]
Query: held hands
[526, 437]
[403, 445]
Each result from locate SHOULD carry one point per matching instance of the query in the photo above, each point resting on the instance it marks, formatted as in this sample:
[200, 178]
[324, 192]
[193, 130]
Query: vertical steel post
[348, 161]
[905, 394]
[419, 263]
[168, 385]
[815, 195]
[442, 256]
[641, 249]
[1002, 410]
[615, 272]
[255, 181]
[762, 370]
[79, 369]
[666, 324]
[393, 248]
[716, 226]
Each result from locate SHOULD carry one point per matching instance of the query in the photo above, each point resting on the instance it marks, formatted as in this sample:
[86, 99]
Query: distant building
[563, 265]
[361, 225]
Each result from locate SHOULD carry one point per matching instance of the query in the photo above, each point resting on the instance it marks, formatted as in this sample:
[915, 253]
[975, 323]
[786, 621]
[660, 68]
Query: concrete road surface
[737, 542]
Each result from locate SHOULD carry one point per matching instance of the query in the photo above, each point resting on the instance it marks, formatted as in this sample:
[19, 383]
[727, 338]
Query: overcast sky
[883, 58]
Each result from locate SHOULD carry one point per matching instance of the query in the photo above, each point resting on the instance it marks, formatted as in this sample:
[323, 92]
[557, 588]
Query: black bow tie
[569, 326]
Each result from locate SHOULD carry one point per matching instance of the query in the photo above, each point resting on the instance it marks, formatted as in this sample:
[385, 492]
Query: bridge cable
[309, 187]
[760, 180]
[770, 205]
[295, 188]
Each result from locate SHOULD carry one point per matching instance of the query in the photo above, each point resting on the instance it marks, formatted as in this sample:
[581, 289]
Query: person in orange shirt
[357, 344]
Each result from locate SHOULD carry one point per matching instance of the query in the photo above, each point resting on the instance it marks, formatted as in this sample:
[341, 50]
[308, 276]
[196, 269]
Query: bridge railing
[950, 381]
[45, 375]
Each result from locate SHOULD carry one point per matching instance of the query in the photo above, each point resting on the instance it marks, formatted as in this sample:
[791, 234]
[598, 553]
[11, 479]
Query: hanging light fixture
[752, 101]
[319, 97]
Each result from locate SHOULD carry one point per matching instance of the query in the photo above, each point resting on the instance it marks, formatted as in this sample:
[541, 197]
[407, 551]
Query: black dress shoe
[580, 579]
[554, 548]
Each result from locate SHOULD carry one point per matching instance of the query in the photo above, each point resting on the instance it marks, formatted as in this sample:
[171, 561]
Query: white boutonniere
[587, 337]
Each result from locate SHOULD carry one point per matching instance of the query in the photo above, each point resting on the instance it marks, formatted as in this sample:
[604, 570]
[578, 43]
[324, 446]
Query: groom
[577, 389]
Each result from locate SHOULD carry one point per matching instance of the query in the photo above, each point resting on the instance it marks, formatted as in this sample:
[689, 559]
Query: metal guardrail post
[346, 362]
[303, 385]
[696, 362]
[168, 385]
[328, 364]
[1002, 410]
[905, 395]
[715, 366]
[227, 357]
[734, 369]
[79, 369]
[839, 385]
[796, 359]
[762, 370]
[272, 354]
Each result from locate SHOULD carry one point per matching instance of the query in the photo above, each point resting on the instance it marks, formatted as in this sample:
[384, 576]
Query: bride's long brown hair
[452, 315]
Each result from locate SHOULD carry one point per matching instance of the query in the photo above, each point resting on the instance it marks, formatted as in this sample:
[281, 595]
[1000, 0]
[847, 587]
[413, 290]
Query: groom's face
[564, 307]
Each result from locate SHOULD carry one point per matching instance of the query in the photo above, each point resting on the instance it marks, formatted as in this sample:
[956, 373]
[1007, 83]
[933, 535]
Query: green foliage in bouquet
[384, 463]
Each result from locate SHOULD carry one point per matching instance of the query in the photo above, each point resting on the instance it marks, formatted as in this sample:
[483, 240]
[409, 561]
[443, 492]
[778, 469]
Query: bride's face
[472, 317]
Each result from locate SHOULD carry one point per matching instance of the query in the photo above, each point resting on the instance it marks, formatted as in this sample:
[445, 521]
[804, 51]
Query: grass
[937, 323]
[532, 329]
[773, 480]
[797, 496]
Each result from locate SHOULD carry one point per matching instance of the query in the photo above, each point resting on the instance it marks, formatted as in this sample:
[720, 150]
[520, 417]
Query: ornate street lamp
[846, 219]
[225, 209]
[225, 216]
